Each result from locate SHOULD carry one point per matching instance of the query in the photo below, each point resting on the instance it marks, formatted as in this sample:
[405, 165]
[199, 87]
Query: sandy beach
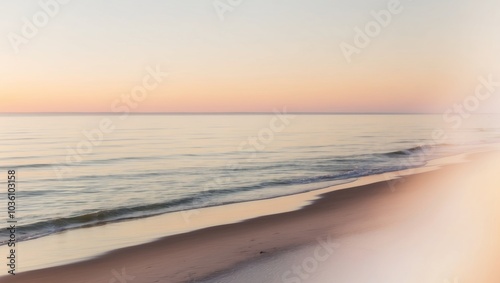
[436, 226]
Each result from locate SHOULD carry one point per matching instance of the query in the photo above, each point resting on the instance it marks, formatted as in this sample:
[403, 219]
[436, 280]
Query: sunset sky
[263, 55]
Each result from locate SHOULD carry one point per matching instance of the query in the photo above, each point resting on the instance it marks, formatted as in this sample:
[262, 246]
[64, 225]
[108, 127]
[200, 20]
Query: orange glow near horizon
[389, 93]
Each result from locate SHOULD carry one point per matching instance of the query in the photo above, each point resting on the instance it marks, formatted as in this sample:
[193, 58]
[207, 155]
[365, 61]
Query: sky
[248, 56]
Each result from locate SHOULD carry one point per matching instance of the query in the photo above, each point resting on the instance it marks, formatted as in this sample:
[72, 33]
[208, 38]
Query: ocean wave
[342, 169]
[201, 199]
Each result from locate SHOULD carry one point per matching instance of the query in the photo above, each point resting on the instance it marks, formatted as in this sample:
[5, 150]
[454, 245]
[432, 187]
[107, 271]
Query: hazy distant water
[156, 164]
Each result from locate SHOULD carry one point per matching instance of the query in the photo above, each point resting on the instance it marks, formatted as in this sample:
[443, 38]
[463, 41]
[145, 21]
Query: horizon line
[221, 113]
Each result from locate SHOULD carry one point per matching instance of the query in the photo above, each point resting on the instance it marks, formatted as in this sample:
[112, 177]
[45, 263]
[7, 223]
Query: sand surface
[438, 226]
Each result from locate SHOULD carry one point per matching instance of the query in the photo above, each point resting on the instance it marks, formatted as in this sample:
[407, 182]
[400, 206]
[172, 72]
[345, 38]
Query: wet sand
[344, 215]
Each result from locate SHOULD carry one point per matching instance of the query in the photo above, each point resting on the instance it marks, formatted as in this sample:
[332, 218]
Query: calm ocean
[73, 174]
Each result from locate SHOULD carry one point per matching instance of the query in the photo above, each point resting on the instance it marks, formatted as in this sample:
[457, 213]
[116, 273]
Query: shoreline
[448, 230]
[243, 241]
[95, 241]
